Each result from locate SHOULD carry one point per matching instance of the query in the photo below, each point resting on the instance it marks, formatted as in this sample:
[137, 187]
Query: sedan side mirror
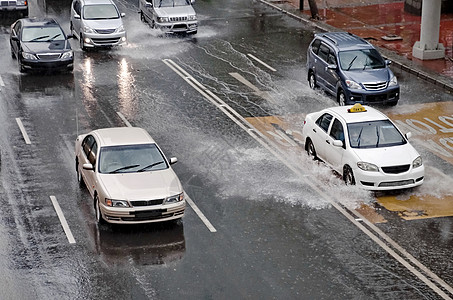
[148, 4]
[388, 62]
[76, 16]
[173, 160]
[408, 135]
[88, 167]
[192, 2]
[338, 143]
[123, 15]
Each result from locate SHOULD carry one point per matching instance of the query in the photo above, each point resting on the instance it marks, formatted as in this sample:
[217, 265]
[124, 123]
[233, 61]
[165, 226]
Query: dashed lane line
[2, 84]
[262, 62]
[63, 221]
[24, 132]
[124, 119]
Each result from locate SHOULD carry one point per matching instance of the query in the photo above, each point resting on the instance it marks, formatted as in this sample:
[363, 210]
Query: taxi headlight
[191, 17]
[116, 203]
[67, 55]
[29, 56]
[162, 19]
[393, 81]
[418, 162]
[120, 29]
[174, 199]
[88, 29]
[367, 166]
[353, 85]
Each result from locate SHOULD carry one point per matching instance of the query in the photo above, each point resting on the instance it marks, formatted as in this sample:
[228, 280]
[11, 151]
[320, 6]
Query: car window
[323, 52]
[337, 132]
[315, 46]
[42, 34]
[374, 134]
[77, 7]
[324, 121]
[172, 3]
[16, 28]
[93, 153]
[361, 60]
[100, 11]
[87, 144]
[131, 158]
[331, 60]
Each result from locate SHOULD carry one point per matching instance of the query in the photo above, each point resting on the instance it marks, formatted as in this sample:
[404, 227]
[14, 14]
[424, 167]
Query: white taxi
[364, 146]
[130, 179]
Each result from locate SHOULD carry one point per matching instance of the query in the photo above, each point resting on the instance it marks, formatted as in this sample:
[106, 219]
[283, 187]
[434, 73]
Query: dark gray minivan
[351, 69]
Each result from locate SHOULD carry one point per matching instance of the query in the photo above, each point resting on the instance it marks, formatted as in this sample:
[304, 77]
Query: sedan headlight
[174, 199]
[117, 203]
[66, 55]
[162, 19]
[88, 29]
[120, 29]
[191, 17]
[417, 162]
[367, 166]
[353, 85]
[29, 56]
[393, 81]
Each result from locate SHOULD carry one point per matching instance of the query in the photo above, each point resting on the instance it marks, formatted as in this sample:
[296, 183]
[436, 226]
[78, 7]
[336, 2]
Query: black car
[40, 44]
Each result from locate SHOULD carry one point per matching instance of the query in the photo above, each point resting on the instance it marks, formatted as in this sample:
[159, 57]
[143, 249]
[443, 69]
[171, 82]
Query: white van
[97, 23]
[171, 16]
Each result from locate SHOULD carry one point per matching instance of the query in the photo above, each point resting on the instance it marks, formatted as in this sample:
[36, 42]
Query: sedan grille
[375, 86]
[396, 169]
[8, 3]
[104, 31]
[147, 202]
[49, 56]
[396, 183]
[178, 19]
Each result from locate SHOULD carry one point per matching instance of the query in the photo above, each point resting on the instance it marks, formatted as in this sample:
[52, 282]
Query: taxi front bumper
[380, 181]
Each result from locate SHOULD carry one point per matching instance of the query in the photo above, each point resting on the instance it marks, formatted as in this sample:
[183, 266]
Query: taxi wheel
[348, 176]
[341, 98]
[311, 149]
[312, 80]
[97, 211]
[79, 175]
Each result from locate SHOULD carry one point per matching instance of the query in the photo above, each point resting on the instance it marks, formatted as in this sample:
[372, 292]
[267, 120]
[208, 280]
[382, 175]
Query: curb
[397, 60]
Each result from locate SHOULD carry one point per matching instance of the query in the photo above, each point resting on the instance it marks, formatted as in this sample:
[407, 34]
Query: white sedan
[128, 176]
[364, 146]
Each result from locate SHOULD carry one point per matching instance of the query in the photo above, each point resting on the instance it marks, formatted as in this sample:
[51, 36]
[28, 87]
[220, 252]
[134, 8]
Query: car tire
[142, 17]
[312, 80]
[82, 46]
[341, 98]
[79, 175]
[348, 176]
[152, 24]
[97, 211]
[21, 65]
[311, 151]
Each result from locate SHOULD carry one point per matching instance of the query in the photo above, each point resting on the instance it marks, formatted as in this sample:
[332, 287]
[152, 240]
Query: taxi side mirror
[88, 167]
[338, 143]
[173, 160]
[408, 135]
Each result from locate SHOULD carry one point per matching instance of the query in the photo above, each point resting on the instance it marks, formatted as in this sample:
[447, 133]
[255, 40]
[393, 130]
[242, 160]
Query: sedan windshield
[374, 134]
[361, 60]
[100, 11]
[42, 34]
[171, 3]
[131, 159]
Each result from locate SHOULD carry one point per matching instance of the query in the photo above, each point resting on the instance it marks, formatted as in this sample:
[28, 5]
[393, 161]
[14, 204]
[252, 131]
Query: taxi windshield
[374, 134]
[361, 60]
[131, 159]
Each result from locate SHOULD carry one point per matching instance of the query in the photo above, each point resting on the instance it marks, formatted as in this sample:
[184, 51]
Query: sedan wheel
[348, 176]
[142, 17]
[311, 149]
[97, 211]
[341, 98]
[312, 80]
[82, 45]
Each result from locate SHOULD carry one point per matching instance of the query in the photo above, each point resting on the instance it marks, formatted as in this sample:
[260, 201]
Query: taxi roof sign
[357, 108]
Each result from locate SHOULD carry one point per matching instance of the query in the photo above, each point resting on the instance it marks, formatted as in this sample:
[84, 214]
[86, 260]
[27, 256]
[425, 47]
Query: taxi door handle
[327, 141]
[314, 130]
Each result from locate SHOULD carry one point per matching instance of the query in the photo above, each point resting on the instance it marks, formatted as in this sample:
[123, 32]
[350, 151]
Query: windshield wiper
[123, 168]
[39, 38]
[54, 37]
[150, 166]
[350, 64]
[358, 138]
[378, 136]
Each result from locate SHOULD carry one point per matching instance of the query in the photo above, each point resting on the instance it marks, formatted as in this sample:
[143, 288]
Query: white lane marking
[272, 147]
[200, 214]
[1, 81]
[63, 222]
[240, 78]
[262, 62]
[124, 119]
[24, 132]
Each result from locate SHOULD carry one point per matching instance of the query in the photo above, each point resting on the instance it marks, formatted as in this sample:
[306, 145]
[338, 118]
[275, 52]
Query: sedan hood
[177, 11]
[38, 47]
[369, 75]
[388, 156]
[141, 186]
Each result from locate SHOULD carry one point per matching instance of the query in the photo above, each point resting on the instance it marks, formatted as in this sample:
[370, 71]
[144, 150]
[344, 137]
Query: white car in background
[364, 146]
[130, 179]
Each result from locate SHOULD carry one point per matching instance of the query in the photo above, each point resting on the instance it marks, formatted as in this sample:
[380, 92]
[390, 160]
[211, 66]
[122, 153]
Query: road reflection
[46, 84]
[150, 244]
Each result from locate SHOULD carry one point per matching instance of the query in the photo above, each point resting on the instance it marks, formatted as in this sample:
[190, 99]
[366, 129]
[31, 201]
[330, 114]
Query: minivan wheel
[341, 98]
[312, 80]
[97, 211]
[348, 176]
[82, 45]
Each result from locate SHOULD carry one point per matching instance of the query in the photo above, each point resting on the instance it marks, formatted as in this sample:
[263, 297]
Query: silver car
[97, 23]
[171, 16]
[128, 176]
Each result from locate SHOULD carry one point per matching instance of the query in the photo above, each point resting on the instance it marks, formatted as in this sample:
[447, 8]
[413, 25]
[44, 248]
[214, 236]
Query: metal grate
[105, 31]
[178, 19]
[49, 56]
[396, 169]
[147, 202]
[375, 86]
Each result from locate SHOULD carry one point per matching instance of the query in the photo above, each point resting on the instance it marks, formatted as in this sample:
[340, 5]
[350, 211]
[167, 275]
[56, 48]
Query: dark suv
[351, 69]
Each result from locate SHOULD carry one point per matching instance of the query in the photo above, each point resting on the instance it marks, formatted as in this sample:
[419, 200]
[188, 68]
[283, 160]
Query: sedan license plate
[149, 213]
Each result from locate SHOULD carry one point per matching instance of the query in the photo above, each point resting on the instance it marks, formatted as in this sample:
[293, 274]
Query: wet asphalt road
[276, 237]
